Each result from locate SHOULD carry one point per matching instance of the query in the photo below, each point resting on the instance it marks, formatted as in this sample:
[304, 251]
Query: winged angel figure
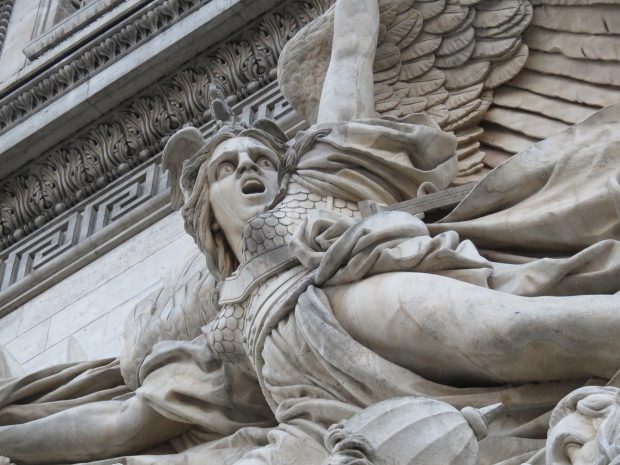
[310, 315]
[440, 58]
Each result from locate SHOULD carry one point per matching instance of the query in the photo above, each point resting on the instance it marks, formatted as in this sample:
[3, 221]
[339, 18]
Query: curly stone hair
[197, 211]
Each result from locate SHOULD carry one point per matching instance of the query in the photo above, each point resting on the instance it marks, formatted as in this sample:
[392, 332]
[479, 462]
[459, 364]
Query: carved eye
[224, 170]
[265, 162]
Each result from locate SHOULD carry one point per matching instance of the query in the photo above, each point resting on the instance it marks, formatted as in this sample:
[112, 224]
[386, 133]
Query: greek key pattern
[136, 190]
[132, 134]
[78, 225]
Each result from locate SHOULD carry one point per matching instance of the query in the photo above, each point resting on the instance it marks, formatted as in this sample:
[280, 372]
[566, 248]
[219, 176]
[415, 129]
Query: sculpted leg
[451, 331]
[348, 91]
[92, 431]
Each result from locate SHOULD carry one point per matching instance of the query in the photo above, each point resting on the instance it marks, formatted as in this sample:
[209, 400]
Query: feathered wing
[174, 312]
[440, 57]
[445, 58]
[500, 74]
[303, 64]
[572, 71]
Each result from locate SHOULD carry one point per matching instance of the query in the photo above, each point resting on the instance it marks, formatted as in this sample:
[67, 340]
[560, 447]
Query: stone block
[31, 343]
[51, 356]
[101, 271]
[112, 348]
[9, 325]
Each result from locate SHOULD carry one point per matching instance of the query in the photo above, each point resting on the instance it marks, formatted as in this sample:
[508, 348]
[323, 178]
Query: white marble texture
[92, 304]
[425, 343]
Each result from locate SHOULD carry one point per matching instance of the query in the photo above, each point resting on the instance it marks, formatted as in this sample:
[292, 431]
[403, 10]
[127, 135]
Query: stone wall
[91, 305]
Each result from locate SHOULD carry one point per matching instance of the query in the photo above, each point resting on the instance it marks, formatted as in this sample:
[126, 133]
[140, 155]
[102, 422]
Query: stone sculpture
[585, 427]
[310, 315]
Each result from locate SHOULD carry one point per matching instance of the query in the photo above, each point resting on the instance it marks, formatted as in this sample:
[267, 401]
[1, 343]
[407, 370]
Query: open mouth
[252, 186]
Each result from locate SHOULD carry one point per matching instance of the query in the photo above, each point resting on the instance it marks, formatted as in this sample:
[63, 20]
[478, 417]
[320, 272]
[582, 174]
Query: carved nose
[245, 163]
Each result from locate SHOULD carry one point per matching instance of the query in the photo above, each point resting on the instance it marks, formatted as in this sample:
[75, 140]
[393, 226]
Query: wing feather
[440, 96]
[414, 69]
[481, 70]
[464, 96]
[574, 45]
[573, 70]
[430, 9]
[456, 42]
[566, 89]
[512, 28]
[504, 72]
[489, 49]
[426, 43]
[387, 56]
[404, 29]
[603, 20]
[450, 19]
[427, 83]
[495, 13]
[466, 75]
[456, 59]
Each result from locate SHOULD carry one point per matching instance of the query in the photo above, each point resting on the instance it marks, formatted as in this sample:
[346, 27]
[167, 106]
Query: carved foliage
[143, 188]
[118, 43]
[6, 7]
[126, 137]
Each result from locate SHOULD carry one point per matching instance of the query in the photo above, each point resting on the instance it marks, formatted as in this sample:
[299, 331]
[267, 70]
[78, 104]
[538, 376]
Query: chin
[251, 207]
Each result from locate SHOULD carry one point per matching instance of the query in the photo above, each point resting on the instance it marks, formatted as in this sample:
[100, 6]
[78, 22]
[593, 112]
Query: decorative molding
[6, 8]
[83, 15]
[122, 209]
[132, 134]
[113, 44]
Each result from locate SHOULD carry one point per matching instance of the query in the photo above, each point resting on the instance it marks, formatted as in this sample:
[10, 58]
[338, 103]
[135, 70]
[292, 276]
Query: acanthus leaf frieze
[119, 210]
[61, 78]
[130, 135]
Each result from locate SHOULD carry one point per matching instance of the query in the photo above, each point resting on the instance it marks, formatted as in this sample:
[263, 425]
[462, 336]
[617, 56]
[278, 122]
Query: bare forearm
[348, 89]
[92, 431]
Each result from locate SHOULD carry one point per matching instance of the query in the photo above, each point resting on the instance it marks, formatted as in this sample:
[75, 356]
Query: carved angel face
[243, 176]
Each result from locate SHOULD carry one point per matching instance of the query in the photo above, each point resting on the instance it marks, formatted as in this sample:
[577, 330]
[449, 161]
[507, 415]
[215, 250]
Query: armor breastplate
[250, 294]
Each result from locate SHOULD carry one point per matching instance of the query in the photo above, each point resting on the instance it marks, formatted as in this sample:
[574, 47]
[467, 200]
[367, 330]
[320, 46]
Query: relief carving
[304, 333]
[134, 133]
[6, 7]
[20, 104]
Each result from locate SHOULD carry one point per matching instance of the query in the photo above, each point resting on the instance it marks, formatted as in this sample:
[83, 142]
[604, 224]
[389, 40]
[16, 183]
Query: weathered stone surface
[603, 19]
[568, 112]
[394, 337]
[581, 46]
[597, 72]
[68, 169]
[567, 89]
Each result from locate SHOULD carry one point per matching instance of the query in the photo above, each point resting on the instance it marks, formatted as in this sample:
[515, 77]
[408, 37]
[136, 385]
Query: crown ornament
[219, 109]
[189, 142]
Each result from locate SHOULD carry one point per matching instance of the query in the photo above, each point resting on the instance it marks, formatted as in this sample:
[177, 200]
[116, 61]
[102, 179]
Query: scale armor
[274, 228]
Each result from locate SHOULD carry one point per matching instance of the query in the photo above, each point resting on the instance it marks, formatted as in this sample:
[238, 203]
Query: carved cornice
[132, 134]
[6, 7]
[115, 43]
[119, 211]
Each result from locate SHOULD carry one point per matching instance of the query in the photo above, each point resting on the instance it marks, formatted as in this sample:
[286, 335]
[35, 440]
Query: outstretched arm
[348, 89]
[91, 431]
